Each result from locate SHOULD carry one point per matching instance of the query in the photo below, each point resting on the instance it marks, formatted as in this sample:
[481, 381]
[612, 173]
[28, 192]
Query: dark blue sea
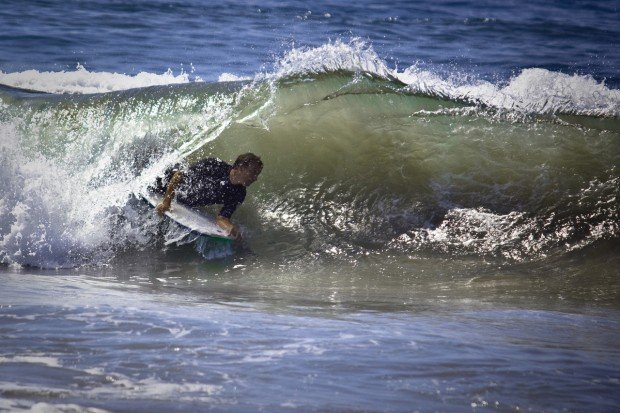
[436, 227]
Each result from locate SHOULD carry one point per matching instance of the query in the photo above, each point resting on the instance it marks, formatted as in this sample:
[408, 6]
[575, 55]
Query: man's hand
[235, 233]
[226, 225]
[162, 208]
[165, 205]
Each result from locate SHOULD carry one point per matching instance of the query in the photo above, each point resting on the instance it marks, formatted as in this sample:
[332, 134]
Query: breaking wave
[360, 158]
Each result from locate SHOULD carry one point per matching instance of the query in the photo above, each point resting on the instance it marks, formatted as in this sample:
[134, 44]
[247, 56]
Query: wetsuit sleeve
[231, 205]
[161, 183]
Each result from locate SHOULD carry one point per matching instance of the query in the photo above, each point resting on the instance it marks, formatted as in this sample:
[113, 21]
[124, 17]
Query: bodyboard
[189, 218]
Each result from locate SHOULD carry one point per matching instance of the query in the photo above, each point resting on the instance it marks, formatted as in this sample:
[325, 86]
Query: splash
[47, 218]
[354, 56]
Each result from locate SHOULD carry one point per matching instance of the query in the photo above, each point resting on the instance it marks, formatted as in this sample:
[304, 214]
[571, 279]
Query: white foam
[84, 81]
[532, 91]
[35, 359]
[229, 77]
[305, 346]
[63, 408]
[152, 388]
[114, 386]
[22, 405]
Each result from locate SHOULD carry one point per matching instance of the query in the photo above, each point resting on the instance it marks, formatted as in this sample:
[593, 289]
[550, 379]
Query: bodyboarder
[211, 181]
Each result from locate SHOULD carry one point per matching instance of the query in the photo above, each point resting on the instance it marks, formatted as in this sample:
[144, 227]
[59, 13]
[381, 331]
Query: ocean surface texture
[436, 228]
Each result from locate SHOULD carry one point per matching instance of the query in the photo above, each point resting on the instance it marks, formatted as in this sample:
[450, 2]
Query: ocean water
[436, 228]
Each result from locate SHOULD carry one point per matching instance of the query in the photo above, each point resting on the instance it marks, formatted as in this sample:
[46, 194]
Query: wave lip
[533, 90]
[355, 56]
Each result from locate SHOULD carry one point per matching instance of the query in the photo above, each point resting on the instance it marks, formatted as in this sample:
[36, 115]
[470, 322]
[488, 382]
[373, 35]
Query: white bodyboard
[187, 217]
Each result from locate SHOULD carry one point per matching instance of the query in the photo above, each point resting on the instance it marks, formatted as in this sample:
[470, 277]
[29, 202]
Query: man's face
[247, 176]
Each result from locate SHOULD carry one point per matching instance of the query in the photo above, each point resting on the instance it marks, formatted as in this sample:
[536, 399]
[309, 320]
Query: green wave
[354, 163]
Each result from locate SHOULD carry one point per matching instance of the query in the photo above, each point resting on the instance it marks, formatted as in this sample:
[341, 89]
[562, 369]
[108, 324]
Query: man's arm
[223, 218]
[165, 205]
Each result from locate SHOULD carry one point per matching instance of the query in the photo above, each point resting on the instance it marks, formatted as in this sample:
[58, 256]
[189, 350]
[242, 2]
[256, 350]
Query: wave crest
[533, 90]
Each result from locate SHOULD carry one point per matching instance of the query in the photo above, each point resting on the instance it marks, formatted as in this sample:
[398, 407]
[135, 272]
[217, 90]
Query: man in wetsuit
[211, 181]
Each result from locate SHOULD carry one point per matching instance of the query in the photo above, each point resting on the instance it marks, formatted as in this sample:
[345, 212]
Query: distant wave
[83, 81]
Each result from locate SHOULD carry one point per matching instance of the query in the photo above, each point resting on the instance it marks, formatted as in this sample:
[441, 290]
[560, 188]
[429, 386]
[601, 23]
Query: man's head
[246, 169]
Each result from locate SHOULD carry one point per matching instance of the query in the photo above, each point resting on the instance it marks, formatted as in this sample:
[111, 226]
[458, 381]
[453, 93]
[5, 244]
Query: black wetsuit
[205, 183]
